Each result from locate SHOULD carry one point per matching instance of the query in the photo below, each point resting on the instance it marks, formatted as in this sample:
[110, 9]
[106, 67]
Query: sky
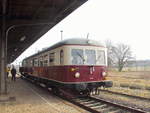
[121, 21]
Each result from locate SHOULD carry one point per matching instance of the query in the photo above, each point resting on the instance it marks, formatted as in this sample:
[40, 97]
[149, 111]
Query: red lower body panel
[67, 73]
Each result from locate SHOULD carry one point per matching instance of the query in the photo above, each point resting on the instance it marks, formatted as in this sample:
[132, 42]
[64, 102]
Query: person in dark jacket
[13, 73]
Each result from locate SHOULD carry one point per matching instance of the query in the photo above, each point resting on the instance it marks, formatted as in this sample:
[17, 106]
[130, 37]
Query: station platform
[25, 97]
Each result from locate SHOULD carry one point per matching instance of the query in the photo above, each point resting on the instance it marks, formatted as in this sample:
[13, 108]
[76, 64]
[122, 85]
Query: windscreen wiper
[80, 56]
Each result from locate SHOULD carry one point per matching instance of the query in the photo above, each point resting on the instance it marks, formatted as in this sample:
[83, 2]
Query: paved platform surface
[28, 98]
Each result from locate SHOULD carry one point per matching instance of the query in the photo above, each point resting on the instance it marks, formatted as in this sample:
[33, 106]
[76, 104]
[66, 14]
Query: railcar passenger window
[31, 63]
[61, 57]
[45, 63]
[100, 57]
[77, 56]
[41, 61]
[35, 62]
[90, 57]
[51, 58]
[24, 63]
[27, 63]
[45, 60]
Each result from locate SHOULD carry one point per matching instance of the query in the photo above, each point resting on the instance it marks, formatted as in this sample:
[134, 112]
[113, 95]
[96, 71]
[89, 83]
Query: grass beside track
[133, 83]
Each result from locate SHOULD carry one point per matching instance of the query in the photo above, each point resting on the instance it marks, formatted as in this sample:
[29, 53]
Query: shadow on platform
[25, 97]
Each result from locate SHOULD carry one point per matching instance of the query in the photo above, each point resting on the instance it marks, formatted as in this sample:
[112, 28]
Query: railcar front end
[88, 67]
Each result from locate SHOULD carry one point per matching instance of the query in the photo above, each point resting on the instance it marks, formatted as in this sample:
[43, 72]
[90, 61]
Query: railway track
[96, 105]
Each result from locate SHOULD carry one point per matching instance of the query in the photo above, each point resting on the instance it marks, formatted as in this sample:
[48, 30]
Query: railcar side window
[24, 63]
[90, 57]
[61, 57]
[31, 62]
[100, 57]
[51, 58]
[41, 61]
[77, 56]
[27, 62]
[45, 60]
[35, 62]
[45, 63]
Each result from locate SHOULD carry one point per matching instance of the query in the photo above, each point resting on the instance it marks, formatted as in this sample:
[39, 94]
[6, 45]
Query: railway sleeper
[81, 99]
[90, 103]
[116, 111]
[108, 109]
[99, 107]
[87, 102]
[96, 105]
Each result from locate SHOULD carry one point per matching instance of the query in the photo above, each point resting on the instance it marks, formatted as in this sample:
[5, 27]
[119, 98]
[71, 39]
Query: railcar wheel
[55, 90]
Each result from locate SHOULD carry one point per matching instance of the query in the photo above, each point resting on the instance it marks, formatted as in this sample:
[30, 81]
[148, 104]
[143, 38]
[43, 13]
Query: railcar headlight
[73, 69]
[77, 75]
[104, 74]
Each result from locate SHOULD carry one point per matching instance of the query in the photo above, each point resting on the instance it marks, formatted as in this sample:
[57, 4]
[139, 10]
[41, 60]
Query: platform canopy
[28, 20]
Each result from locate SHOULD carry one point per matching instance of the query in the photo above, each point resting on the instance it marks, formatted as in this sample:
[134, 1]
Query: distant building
[138, 63]
[135, 65]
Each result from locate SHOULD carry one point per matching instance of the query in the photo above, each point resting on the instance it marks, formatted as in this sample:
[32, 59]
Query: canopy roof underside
[27, 20]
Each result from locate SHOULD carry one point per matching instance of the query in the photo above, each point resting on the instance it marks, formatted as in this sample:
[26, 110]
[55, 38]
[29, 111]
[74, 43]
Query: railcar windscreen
[77, 56]
[90, 56]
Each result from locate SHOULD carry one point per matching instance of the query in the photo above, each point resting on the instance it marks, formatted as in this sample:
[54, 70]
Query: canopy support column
[3, 51]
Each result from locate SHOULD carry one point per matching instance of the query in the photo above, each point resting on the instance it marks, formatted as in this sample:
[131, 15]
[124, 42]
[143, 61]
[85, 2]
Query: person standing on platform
[7, 71]
[13, 73]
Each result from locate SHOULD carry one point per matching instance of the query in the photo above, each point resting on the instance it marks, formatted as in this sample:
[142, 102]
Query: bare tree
[118, 54]
[121, 54]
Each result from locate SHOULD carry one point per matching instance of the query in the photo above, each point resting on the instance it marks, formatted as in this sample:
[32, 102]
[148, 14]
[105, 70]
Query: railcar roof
[76, 41]
[73, 41]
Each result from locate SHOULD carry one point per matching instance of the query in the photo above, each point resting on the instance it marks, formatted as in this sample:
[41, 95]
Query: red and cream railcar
[78, 64]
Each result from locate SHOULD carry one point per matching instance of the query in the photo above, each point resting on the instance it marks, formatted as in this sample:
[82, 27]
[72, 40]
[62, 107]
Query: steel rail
[83, 103]
[134, 110]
